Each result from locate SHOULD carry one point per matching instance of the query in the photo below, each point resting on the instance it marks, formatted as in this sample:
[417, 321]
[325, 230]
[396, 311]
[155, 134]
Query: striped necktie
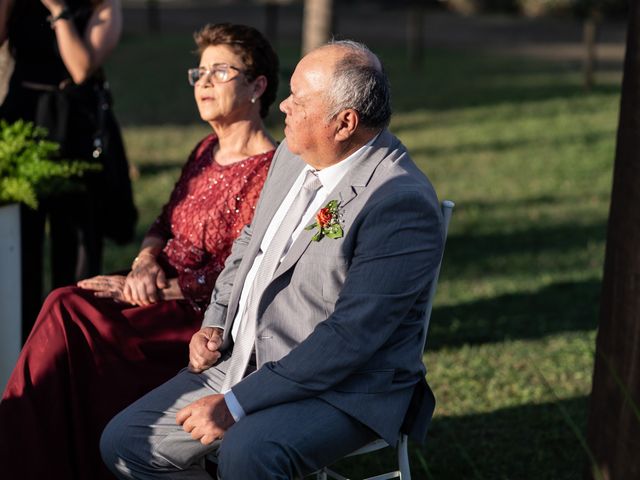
[245, 339]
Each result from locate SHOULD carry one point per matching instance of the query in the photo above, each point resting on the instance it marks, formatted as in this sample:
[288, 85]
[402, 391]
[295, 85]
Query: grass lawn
[527, 156]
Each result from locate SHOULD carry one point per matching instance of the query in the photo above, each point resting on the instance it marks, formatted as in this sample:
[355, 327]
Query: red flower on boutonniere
[327, 222]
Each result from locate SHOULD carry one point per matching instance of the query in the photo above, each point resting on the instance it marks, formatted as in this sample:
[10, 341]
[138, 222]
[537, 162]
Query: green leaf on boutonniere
[335, 231]
[332, 205]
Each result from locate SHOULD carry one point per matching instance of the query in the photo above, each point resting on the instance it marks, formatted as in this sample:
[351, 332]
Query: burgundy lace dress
[88, 358]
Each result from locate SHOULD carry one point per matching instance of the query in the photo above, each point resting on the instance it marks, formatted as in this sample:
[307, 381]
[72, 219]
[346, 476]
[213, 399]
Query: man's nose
[283, 105]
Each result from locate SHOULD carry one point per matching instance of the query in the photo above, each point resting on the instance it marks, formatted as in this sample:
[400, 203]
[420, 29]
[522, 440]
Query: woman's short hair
[256, 52]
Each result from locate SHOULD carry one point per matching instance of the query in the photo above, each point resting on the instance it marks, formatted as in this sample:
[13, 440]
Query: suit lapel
[348, 188]
[278, 190]
[279, 185]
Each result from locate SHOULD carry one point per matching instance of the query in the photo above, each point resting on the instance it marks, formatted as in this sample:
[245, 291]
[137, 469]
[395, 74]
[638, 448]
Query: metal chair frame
[402, 448]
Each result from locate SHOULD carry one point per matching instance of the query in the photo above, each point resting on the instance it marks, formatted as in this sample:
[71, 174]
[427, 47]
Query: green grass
[527, 156]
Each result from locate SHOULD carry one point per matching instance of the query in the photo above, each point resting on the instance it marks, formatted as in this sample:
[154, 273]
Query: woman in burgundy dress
[97, 347]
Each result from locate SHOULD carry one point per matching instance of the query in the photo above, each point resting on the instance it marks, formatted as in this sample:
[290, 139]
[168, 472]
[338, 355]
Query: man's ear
[347, 122]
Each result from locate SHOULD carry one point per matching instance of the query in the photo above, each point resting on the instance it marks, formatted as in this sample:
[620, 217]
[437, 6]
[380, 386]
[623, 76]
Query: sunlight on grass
[506, 373]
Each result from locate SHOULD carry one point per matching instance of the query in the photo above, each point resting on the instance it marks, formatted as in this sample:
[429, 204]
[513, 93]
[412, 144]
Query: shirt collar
[331, 176]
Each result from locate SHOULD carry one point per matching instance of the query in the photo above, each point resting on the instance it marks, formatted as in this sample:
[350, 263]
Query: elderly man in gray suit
[311, 346]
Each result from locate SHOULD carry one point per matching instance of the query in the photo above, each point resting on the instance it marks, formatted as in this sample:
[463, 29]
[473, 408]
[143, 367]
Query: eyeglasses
[218, 73]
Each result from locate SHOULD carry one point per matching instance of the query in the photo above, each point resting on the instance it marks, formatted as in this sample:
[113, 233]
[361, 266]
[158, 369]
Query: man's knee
[252, 456]
[111, 442]
[131, 449]
[121, 449]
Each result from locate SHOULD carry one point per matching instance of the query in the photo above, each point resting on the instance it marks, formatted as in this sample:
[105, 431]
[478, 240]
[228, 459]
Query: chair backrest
[447, 211]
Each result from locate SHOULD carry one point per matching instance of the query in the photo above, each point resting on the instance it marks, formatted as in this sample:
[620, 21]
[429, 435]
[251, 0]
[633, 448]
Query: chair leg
[403, 458]
[330, 474]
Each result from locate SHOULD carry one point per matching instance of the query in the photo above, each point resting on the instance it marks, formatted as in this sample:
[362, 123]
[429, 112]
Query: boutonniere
[327, 222]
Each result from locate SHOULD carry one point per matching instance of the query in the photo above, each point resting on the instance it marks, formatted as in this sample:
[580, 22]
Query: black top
[33, 43]
[78, 117]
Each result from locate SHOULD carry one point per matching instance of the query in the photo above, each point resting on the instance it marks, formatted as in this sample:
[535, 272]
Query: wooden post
[613, 433]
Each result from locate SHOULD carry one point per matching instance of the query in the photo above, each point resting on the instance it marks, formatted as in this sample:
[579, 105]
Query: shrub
[30, 169]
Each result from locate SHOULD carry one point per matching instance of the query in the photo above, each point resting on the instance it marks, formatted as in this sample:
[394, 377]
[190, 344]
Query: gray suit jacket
[342, 319]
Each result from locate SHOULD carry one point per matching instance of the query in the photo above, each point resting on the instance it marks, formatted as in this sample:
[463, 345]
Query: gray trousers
[281, 442]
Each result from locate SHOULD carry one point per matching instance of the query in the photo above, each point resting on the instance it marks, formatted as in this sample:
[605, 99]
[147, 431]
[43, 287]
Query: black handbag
[119, 212]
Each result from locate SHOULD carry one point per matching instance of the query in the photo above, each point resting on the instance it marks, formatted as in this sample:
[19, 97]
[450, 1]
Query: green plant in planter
[29, 167]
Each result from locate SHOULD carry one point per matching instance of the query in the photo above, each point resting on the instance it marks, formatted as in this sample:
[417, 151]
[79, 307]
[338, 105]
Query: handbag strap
[103, 105]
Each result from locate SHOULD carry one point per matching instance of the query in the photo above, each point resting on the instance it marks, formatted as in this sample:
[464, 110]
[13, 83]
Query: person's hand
[203, 349]
[145, 281]
[206, 419]
[105, 286]
[54, 6]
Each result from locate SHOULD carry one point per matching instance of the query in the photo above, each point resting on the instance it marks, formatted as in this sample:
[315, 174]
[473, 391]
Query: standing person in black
[59, 47]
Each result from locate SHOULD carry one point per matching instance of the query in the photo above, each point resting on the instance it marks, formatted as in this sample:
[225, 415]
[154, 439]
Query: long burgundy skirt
[85, 360]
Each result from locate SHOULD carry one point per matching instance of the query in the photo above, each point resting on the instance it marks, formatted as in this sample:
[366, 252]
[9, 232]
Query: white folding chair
[403, 472]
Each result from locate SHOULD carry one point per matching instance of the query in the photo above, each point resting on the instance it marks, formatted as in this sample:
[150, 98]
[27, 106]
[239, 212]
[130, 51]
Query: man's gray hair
[360, 83]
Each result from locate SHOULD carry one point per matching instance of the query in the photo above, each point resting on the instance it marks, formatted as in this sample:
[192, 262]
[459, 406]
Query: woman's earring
[253, 99]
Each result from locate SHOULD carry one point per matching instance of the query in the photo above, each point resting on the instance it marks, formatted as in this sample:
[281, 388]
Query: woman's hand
[5, 13]
[54, 6]
[144, 282]
[105, 286]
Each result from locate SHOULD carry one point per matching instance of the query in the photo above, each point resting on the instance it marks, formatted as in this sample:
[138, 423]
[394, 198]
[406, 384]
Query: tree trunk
[613, 433]
[589, 31]
[153, 16]
[272, 13]
[415, 34]
[316, 27]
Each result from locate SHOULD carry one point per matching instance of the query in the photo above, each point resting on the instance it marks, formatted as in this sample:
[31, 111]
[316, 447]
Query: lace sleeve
[229, 208]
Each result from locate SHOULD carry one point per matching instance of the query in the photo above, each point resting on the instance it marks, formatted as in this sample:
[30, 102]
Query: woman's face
[224, 101]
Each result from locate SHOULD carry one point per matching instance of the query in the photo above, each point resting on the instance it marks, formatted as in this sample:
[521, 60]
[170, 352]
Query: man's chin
[292, 148]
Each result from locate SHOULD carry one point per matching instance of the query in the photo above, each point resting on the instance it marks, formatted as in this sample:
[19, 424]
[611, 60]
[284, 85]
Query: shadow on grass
[547, 249]
[452, 96]
[452, 79]
[566, 199]
[519, 443]
[497, 146]
[560, 307]
[524, 442]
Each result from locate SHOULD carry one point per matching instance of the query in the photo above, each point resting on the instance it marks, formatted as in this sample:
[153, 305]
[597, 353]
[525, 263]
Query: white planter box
[10, 291]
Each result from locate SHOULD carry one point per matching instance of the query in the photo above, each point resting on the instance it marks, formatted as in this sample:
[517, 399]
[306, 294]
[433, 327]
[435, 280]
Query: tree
[415, 33]
[153, 15]
[613, 433]
[590, 12]
[317, 23]
[589, 34]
